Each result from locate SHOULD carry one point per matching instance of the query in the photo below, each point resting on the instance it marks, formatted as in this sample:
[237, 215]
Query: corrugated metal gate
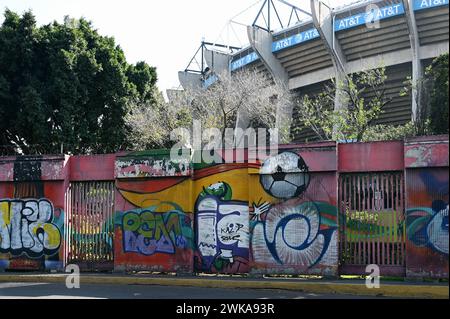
[372, 223]
[89, 233]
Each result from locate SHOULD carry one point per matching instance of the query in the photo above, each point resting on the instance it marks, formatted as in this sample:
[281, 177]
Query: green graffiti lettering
[173, 224]
[131, 222]
[147, 225]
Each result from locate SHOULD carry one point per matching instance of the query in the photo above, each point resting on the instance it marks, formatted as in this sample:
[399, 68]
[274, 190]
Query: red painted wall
[92, 168]
[371, 157]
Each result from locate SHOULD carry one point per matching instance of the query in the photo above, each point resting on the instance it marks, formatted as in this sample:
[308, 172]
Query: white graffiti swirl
[437, 231]
[291, 234]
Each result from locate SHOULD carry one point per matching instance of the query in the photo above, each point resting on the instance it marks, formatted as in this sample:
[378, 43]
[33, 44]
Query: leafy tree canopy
[353, 121]
[437, 72]
[66, 84]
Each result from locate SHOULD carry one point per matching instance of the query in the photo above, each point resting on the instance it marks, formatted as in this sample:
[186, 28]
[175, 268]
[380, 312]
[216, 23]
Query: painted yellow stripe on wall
[243, 185]
[4, 213]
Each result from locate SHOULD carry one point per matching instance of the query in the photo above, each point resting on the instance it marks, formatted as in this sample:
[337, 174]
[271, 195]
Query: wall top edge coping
[424, 139]
[33, 158]
[148, 153]
[372, 142]
[194, 174]
[99, 155]
[309, 145]
[283, 147]
[294, 146]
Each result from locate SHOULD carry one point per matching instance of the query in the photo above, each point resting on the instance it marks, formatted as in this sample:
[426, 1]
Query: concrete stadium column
[261, 42]
[218, 62]
[417, 68]
[190, 80]
[323, 21]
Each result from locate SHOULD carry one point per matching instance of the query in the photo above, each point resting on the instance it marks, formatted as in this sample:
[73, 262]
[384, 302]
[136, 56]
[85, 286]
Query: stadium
[404, 36]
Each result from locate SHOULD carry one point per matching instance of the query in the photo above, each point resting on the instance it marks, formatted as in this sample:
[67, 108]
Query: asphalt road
[90, 291]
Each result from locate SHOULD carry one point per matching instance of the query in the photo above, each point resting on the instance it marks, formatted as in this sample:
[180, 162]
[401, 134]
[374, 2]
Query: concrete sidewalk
[353, 287]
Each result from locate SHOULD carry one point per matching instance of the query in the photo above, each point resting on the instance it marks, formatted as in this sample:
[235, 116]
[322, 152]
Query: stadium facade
[404, 36]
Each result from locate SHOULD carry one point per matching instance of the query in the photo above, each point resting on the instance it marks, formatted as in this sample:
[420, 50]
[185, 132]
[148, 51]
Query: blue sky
[164, 33]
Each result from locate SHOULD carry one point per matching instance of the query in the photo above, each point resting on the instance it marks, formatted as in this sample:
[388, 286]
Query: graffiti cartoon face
[220, 190]
[285, 176]
[222, 231]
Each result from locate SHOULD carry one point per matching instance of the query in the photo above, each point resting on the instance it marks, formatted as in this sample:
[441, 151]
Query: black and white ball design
[285, 176]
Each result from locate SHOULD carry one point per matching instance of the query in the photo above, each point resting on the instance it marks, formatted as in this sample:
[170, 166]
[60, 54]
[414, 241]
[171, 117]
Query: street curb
[386, 290]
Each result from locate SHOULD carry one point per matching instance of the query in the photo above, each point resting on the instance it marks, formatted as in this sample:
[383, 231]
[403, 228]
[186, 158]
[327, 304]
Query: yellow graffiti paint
[180, 194]
[4, 214]
[244, 183]
[54, 238]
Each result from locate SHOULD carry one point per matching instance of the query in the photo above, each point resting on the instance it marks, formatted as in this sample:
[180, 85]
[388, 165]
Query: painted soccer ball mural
[285, 176]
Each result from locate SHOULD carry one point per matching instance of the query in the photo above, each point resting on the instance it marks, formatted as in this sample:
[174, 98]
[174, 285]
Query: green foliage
[346, 123]
[431, 92]
[66, 84]
[389, 132]
[437, 73]
[356, 123]
[317, 113]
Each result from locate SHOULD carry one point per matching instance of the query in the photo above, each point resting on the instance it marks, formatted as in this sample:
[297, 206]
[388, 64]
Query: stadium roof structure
[312, 44]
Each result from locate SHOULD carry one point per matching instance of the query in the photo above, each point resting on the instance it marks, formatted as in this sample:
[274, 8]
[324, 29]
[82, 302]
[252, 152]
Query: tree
[437, 73]
[431, 92]
[246, 96]
[363, 94]
[66, 84]
[151, 123]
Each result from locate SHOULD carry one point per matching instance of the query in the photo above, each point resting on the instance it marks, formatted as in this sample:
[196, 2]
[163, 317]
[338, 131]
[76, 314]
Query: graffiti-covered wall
[154, 218]
[427, 208]
[293, 212]
[32, 212]
[277, 215]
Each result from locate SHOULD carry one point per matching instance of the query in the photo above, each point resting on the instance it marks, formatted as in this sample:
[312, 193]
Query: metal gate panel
[90, 225]
[372, 223]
